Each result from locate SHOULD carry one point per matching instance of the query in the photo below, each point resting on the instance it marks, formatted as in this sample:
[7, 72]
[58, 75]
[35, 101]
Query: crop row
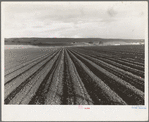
[72, 76]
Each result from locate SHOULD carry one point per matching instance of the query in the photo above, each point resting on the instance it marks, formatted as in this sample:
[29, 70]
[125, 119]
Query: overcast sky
[75, 19]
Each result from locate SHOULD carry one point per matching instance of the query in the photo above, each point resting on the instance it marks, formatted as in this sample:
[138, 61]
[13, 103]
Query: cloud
[111, 12]
[37, 26]
[108, 20]
[75, 19]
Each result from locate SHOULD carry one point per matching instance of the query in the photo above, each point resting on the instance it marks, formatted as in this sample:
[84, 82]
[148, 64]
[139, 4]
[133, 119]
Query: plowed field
[95, 75]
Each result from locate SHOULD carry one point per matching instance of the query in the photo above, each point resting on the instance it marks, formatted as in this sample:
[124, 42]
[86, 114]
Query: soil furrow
[125, 90]
[40, 95]
[11, 78]
[132, 79]
[100, 93]
[75, 75]
[81, 95]
[54, 95]
[115, 59]
[19, 87]
[68, 91]
[119, 65]
[8, 72]
[22, 58]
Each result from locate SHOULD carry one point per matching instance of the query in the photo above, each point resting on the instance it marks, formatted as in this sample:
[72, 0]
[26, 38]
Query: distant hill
[69, 41]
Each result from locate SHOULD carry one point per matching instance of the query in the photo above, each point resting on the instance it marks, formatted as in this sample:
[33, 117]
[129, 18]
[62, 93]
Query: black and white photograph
[78, 55]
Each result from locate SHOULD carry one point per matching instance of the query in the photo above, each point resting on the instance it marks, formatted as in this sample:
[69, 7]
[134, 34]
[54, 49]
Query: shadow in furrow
[130, 79]
[128, 96]
[28, 69]
[15, 91]
[28, 63]
[89, 84]
[40, 95]
[68, 90]
[117, 64]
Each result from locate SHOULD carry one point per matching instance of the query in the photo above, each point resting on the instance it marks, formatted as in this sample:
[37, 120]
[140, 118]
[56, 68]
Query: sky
[125, 20]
